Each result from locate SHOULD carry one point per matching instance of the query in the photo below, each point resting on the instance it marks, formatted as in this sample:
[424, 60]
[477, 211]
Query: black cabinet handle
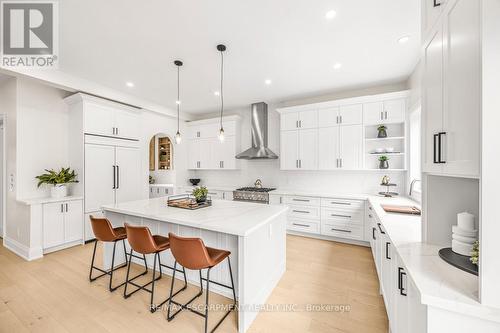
[436, 4]
[62, 208]
[114, 177]
[373, 233]
[401, 273]
[440, 154]
[340, 203]
[301, 200]
[301, 225]
[338, 215]
[379, 228]
[387, 251]
[66, 208]
[117, 177]
[435, 149]
[399, 277]
[341, 230]
[301, 211]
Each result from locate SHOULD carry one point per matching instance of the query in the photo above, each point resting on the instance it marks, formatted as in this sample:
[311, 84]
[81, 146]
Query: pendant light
[221, 48]
[178, 138]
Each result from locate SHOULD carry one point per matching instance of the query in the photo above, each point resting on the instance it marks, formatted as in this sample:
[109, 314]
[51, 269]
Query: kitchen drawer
[342, 203]
[304, 212]
[342, 216]
[303, 226]
[342, 231]
[302, 201]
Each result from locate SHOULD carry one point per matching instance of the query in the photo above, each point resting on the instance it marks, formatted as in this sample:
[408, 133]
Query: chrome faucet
[258, 183]
[412, 184]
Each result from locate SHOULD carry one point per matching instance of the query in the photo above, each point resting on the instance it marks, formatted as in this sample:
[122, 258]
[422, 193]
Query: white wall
[42, 134]
[271, 175]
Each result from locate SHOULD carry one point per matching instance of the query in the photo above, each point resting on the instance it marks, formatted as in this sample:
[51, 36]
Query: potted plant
[200, 194]
[384, 162]
[474, 255]
[58, 180]
[382, 131]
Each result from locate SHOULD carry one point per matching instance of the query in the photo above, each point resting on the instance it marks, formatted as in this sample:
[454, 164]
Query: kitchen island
[254, 233]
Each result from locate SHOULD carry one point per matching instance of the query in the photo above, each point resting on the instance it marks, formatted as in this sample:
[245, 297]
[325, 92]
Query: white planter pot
[59, 191]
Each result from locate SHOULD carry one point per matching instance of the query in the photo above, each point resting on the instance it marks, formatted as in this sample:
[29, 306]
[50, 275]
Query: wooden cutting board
[402, 209]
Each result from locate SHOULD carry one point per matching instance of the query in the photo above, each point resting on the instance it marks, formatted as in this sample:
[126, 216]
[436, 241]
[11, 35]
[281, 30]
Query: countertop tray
[458, 260]
[187, 202]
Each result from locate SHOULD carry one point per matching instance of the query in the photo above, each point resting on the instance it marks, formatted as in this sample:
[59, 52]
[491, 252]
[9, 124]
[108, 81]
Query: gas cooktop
[252, 194]
[255, 189]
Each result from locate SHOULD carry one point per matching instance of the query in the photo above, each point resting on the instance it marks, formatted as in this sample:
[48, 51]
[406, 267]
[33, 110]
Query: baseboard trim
[22, 250]
[328, 238]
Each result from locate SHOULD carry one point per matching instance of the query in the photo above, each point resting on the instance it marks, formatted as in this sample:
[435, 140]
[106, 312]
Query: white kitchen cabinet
[62, 224]
[452, 93]
[299, 150]
[384, 112]
[308, 149]
[351, 114]
[432, 101]
[128, 170]
[158, 191]
[351, 147]
[109, 119]
[99, 176]
[328, 148]
[328, 117]
[431, 10]
[299, 120]
[206, 151]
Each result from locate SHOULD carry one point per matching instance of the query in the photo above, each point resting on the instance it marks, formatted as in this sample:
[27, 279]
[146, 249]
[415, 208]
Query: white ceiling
[288, 41]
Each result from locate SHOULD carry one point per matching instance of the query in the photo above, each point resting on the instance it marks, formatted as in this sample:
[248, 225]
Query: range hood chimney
[259, 148]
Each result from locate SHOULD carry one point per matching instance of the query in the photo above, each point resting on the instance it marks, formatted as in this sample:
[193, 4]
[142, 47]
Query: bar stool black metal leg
[232, 281]
[128, 273]
[112, 267]
[92, 264]
[206, 300]
[152, 307]
[169, 318]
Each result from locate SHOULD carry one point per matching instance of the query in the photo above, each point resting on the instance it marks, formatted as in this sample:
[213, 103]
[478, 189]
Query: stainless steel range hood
[259, 148]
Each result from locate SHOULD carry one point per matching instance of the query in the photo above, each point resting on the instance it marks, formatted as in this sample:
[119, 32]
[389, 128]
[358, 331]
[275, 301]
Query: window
[415, 172]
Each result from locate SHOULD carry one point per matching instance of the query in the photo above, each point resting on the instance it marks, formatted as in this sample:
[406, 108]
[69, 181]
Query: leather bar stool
[191, 253]
[141, 241]
[104, 232]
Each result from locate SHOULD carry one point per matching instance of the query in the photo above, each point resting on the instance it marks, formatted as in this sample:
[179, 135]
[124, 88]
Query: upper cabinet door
[193, 154]
[128, 174]
[351, 147]
[462, 90]
[432, 101]
[127, 124]
[373, 113]
[73, 221]
[394, 111]
[308, 149]
[228, 148]
[99, 119]
[289, 152]
[289, 121]
[308, 119]
[328, 117]
[100, 174]
[206, 148]
[328, 148]
[351, 114]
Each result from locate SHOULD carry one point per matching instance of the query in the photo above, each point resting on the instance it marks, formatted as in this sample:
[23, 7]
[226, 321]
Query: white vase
[59, 191]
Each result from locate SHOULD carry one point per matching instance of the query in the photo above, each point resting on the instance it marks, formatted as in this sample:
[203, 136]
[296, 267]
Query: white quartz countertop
[440, 284]
[294, 192]
[230, 217]
[38, 201]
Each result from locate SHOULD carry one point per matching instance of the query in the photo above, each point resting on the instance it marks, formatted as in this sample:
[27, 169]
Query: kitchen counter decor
[187, 202]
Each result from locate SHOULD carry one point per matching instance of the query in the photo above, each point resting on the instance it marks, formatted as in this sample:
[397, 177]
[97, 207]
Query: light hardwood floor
[53, 295]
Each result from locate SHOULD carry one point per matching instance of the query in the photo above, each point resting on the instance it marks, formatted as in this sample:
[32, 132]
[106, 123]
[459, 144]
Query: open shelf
[386, 139]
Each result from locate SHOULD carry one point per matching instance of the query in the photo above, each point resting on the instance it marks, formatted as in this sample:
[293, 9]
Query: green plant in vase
[382, 131]
[384, 162]
[474, 254]
[58, 180]
[200, 194]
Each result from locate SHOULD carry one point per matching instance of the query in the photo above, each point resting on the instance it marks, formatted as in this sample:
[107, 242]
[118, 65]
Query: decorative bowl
[194, 181]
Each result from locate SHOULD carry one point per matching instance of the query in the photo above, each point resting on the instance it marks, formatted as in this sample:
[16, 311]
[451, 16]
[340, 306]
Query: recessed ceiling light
[337, 65]
[330, 14]
[130, 84]
[216, 93]
[403, 39]
[268, 82]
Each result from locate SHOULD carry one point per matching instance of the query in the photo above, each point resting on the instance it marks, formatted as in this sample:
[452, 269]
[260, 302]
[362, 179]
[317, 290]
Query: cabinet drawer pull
[436, 4]
[301, 225]
[301, 211]
[338, 215]
[301, 200]
[370, 208]
[370, 216]
[379, 228]
[401, 273]
[340, 203]
[341, 230]
[440, 153]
